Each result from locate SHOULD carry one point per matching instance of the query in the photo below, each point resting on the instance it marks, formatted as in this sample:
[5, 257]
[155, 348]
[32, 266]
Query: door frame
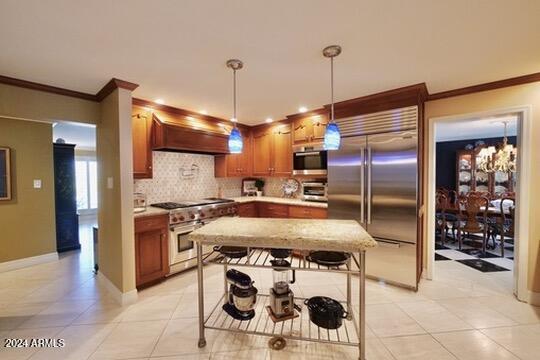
[524, 142]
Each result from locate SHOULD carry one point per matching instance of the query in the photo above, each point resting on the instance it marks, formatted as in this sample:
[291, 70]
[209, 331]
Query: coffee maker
[281, 296]
[242, 296]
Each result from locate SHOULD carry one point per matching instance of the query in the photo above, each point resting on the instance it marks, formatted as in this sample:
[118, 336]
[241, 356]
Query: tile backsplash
[181, 176]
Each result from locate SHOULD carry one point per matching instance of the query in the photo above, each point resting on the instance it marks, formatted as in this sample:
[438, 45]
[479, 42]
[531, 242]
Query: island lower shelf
[300, 328]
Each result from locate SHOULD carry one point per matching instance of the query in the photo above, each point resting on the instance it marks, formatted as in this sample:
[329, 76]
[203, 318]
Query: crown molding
[112, 85]
[520, 80]
[45, 88]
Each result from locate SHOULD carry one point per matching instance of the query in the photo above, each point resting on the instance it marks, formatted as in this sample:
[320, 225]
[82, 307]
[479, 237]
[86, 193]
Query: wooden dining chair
[473, 218]
[504, 225]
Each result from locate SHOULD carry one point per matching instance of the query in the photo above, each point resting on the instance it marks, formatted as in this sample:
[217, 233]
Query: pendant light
[235, 138]
[498, 159]
[332, 136]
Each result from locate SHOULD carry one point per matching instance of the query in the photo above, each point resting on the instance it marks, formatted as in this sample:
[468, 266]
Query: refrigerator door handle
[362, 184]
[368, 200]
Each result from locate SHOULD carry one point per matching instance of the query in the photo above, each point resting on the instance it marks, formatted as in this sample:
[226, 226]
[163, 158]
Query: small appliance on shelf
[314, 191]
[242, 296]
[139, 202]
[248, 187]
[281, 296]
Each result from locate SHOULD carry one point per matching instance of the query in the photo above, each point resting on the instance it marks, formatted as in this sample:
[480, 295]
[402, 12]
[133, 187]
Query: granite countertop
[278, 200]
[150, 211]
[304, 234]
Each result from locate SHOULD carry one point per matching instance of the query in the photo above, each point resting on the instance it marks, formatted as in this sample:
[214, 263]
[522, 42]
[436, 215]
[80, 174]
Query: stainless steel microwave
[310, 160]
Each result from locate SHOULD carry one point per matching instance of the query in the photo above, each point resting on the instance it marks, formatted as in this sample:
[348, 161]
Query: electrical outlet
[37, 183]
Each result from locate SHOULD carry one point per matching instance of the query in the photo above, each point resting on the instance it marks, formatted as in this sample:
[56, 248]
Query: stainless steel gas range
[186, 216]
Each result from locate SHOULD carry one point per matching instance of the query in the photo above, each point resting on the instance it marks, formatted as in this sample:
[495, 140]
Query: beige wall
[115, 212]
[521, 95]
[27, 225]
[24, 103]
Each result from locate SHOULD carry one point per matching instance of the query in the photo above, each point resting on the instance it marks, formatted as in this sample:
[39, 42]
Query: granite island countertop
[280, 200]
[150, 211]
[304, 234]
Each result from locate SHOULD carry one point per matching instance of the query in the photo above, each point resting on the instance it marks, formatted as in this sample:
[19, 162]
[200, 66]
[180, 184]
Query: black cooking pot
[325, 312]
[328, 258]
[280, 253]
[233, 252]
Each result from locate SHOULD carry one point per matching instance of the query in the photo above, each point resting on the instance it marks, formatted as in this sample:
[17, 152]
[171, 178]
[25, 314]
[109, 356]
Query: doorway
[454, 178]
[83, 136]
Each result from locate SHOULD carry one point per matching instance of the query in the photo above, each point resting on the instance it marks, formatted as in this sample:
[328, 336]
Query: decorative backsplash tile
[181, 176]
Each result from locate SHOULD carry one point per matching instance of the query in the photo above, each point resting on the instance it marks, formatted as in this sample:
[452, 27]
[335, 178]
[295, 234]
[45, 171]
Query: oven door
[310, 163]
[181, 249]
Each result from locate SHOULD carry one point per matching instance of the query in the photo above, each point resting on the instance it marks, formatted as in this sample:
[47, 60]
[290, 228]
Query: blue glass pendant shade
[332, 137]
[235, 142]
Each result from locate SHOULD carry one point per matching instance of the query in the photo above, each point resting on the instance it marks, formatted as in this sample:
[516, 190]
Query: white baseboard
[122, 298]
[29, 261]
[534, 298]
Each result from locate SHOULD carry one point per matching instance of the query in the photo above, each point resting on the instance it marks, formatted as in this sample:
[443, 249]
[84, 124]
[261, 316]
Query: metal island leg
[202, 339]
[362, 307]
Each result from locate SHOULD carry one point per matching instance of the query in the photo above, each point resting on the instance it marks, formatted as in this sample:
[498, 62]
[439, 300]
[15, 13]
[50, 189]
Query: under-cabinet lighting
[302, 109]
[269, 120]
[159, 101]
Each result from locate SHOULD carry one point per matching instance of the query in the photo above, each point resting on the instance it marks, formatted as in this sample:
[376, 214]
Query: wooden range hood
[187, 132]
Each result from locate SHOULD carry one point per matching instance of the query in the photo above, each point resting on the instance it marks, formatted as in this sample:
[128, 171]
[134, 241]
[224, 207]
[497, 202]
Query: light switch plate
[109, 183]
[37, 183]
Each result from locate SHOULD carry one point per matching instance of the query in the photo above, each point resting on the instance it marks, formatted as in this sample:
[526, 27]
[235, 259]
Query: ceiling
[82, 135]
[176, 50]
[476, 128]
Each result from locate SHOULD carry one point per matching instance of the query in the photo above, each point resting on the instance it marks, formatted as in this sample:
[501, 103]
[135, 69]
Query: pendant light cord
[234, 97]
[332, 86]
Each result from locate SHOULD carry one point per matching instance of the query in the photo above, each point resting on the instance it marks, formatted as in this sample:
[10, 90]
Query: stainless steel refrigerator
[373, 179]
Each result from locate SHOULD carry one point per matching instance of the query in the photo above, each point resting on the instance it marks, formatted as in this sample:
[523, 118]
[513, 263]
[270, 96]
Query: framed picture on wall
[5, 174]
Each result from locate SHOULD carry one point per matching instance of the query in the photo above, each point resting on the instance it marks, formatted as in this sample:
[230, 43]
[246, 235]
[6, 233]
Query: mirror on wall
[5, 175]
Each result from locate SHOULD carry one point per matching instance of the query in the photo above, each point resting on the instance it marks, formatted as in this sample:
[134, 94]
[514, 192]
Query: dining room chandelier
[332, 135]
[236, 142]
[498, 159]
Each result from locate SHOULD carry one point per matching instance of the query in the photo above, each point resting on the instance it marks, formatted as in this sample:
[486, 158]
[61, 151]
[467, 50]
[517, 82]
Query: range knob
[174, 219]
[181, 218]
[201, 214]
[221, 211]
[192, 216]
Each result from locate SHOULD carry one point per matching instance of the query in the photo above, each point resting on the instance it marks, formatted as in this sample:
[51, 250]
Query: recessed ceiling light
[159, 101]
[269, 120]
[234, 120]
[204, 112]
[302, 109]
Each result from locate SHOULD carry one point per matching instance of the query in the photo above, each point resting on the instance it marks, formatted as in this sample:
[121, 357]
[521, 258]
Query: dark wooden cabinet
[235, 165]
[273, 210]
[65, 196]
[307, 212]
[142, 149]
[247, 209]
[151, 249]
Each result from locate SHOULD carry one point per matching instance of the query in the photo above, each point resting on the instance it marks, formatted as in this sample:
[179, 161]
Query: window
[86, 183]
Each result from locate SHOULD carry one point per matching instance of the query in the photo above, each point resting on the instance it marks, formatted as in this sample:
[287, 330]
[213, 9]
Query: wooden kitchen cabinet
[271, 210]
[151, 249]
[247, 209]
[262, 148]
[235, 165]
[282, 151]
[142, 149]
[310, 128]
[272, 151]
[307, 212]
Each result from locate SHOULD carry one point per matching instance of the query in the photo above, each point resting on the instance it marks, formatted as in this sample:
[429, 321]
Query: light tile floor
[463, 314]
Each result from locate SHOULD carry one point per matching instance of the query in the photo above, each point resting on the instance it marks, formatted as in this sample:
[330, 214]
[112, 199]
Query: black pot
[233, 252]
[281, 253]
[325, 312]
[328, 258]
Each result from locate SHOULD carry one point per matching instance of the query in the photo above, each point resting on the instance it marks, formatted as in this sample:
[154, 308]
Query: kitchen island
[259, 235]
